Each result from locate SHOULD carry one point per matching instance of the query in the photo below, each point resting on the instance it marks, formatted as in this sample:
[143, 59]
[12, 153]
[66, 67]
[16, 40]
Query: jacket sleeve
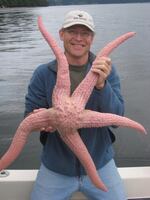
[36, 95]
[110, 98]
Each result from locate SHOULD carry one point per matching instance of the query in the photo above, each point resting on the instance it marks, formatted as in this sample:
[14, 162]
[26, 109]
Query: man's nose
[79, 36]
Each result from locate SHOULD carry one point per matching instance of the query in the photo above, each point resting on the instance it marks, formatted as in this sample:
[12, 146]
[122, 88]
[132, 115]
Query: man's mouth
[78, 45]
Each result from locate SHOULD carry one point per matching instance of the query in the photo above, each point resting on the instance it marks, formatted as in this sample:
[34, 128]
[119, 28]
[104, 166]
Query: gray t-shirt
[77, 74]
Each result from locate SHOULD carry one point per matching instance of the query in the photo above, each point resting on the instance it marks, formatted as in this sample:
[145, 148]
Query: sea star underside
[68, 113]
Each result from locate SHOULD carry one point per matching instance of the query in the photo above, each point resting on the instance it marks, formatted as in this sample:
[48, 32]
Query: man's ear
[61, 33]
[93, 37]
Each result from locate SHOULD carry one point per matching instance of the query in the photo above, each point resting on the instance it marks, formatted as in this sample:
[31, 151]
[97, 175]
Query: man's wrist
[100, 86]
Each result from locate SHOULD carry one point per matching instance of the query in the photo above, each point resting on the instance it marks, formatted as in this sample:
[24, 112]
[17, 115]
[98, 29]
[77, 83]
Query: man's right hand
[46, 129]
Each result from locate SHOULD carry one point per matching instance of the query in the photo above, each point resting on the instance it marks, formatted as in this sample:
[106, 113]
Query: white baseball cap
[78, 17]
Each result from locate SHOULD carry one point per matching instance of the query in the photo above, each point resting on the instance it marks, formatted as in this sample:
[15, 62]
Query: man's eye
[71, 31]
[86, 34]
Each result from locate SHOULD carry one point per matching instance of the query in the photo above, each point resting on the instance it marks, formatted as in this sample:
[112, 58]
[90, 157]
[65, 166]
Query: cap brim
[78, 23]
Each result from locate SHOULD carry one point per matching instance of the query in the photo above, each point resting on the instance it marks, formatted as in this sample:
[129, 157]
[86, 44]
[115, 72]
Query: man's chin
[78, 53]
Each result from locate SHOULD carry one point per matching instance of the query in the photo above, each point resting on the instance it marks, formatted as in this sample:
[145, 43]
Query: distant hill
[23, 3]
[31, 3]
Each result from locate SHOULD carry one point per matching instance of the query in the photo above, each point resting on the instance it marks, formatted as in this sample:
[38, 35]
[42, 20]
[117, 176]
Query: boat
[17, 184]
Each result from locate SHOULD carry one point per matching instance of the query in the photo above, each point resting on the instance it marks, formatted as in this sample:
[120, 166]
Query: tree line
[31, 3]
[23, 3]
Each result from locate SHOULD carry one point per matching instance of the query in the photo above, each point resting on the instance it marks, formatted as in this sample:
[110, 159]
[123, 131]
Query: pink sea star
[68, 113]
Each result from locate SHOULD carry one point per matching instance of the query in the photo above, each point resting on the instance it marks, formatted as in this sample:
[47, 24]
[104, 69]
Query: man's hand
[102, 67]
[47, 129]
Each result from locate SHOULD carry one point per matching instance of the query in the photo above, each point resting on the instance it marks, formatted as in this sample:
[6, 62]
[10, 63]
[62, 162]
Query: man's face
[77, 40]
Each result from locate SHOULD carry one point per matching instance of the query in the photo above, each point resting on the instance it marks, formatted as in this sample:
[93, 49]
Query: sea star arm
[63, 78]
[75, 143]
[31, 123]
[81, 94]
[90, 118]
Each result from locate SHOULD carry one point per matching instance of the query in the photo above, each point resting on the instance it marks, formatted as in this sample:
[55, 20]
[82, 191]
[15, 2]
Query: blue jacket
[56, 155]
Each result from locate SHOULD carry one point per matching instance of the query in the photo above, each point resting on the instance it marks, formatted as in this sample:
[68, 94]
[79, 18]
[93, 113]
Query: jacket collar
[53, 64]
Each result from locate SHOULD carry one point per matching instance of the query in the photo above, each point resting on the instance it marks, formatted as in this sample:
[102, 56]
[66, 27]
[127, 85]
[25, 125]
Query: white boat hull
[18, 184]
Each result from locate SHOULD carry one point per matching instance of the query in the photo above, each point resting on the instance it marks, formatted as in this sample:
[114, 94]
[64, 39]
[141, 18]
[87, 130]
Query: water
[22, 49]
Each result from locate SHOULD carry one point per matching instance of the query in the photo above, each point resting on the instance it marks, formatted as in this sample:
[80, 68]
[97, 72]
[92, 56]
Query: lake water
[22, 49]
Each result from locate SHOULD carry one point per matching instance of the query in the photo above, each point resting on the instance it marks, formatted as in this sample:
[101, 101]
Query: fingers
[102, 74]
[47, 129]
[38, 110]
[102, 67]
[102, 60]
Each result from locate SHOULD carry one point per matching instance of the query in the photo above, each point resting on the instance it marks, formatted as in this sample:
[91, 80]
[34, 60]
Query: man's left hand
[102, 67]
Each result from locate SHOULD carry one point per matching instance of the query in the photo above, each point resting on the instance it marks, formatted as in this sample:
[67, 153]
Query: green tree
[20, 3]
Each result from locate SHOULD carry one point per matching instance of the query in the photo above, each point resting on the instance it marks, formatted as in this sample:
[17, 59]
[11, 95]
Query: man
[61, 173]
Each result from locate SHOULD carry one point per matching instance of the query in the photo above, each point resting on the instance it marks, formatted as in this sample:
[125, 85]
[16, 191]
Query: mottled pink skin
[68, 113]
